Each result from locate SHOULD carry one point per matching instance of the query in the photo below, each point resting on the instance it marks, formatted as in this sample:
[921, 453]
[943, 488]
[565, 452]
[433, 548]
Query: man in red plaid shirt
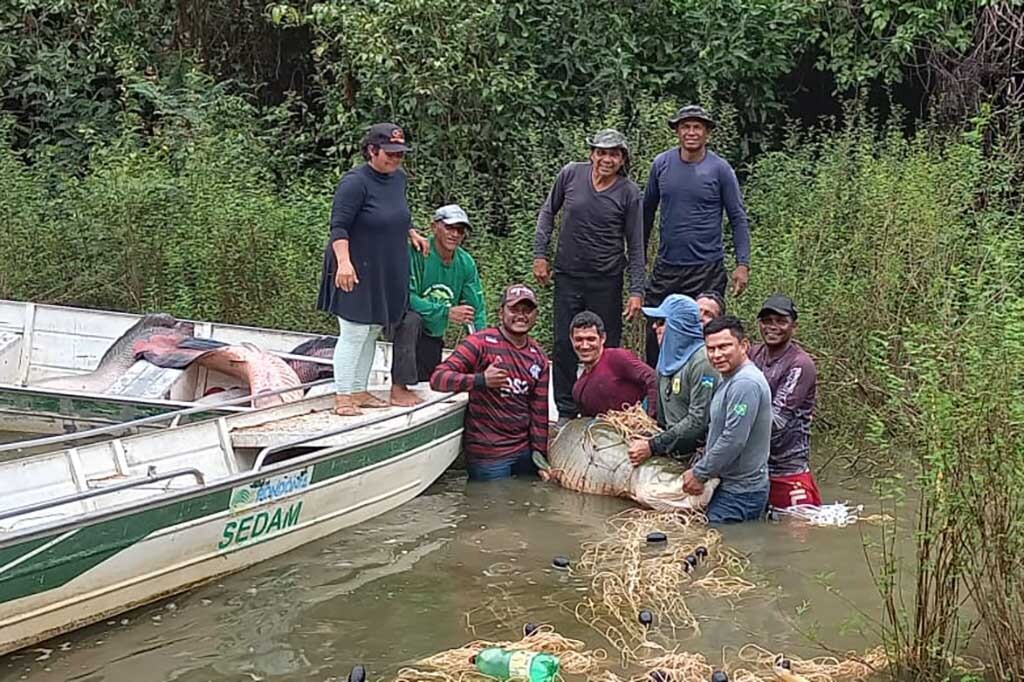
[506, 374]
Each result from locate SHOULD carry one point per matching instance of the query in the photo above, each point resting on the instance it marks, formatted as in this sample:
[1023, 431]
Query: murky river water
[399, 588]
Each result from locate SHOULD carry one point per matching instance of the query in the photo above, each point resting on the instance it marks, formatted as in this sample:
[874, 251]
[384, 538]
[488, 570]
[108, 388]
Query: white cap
[452, 214]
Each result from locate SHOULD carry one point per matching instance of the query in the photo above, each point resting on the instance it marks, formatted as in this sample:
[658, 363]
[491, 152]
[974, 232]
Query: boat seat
[10, 357]
[145, 380]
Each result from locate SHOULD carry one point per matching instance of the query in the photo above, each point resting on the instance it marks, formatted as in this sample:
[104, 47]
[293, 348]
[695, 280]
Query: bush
[903, 257]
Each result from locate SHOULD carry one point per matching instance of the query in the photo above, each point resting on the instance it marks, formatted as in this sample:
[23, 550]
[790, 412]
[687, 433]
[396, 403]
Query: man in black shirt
[602, 221]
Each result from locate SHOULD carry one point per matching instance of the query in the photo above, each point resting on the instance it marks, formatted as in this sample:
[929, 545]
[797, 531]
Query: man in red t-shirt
[506, 375]
[612, 378]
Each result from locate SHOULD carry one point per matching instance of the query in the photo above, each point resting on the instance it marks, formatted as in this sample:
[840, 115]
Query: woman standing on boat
[365, 280]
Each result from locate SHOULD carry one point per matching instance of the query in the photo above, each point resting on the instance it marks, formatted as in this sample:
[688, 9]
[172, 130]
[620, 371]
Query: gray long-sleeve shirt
[598, 228]
[692, 197]
[740, 433]
[683, 403]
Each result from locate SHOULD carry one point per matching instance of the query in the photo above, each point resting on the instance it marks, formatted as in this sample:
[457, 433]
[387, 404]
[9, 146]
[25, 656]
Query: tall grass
[904, 258]
[194, 218]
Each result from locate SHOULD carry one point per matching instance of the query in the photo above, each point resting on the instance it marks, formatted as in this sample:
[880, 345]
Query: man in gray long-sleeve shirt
[601, 216]
[740, 431]
[693, 186]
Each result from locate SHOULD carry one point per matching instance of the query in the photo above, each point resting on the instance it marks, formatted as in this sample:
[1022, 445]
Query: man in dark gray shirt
[740, 431]
[692, 186]
[602, 222]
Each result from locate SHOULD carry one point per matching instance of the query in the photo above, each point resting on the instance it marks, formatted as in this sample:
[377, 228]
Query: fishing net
[839, 514]
[631, 422]
[822, 669]
[628, 575]
[455, 665]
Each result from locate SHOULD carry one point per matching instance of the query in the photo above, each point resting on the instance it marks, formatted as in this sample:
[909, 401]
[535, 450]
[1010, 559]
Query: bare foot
[345, 406]
[403, 397]
[367, 399]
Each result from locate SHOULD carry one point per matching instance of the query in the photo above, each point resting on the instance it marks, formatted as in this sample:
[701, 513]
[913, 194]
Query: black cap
[692, 111]
[778, 303]
[387, 136]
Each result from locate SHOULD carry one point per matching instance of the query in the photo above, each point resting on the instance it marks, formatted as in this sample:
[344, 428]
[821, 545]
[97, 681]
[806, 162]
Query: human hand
[495, 376]
[633, 306]
[691, 485]
[345, 278]
[541, 271]
[419, 242]
[639, 451]
[461, 314]
[740, 277]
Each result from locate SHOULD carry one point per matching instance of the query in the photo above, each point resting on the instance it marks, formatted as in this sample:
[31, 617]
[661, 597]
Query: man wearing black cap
[602, 222]
[693, 186]
[506, 375]
[793, 378]
[365, 276]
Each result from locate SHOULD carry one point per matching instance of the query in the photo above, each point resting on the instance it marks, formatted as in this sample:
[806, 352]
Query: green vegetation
[904, 256]
[181, 156]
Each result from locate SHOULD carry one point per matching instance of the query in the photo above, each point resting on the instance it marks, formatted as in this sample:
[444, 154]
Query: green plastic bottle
[519, 665]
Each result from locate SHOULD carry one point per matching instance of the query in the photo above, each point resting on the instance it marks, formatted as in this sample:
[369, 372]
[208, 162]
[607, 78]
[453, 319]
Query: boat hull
[76, 575]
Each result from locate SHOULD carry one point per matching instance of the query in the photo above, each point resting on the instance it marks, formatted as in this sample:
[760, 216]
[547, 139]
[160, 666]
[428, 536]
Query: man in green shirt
[686, 382]
[444, 288]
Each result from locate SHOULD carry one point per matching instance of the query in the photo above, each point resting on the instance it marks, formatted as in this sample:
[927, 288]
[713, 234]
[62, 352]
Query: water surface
[461, 562]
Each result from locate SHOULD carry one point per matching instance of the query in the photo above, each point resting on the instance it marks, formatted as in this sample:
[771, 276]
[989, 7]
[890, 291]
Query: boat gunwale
[228, 407]
[13, 538]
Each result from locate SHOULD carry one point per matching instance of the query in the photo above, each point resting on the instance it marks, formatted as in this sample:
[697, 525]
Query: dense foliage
[904, 255]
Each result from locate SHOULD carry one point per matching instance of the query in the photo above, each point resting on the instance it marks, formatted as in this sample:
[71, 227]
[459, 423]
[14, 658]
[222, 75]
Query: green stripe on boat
[93, 544]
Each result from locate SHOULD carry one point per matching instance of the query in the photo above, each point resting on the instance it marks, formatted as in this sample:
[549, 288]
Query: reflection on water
[461, 562]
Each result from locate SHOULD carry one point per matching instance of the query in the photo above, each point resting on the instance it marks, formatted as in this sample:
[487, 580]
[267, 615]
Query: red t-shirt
[619, 379]
[501, 422]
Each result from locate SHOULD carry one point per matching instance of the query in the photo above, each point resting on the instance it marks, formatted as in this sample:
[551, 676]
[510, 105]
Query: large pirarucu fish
[121, 354]
[263, 372]
[591, 456]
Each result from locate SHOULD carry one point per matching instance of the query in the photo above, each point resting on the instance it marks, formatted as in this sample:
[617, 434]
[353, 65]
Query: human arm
[740, 405]
[732, 197]
[628, 368]
[473, 295]
[635, 244]
[345, 277]
[652, 196]
[794, 400]
[419, 242]
[461, 371]
[539, 413]
[546, 226]
[349, 196]
[684, 436]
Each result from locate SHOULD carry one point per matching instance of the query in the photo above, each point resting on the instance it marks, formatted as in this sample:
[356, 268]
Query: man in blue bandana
[686, 382]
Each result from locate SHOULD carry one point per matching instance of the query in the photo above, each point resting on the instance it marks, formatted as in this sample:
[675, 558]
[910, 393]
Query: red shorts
[788, 491]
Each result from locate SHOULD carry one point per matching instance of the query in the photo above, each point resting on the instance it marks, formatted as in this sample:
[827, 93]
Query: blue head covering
[683, 332]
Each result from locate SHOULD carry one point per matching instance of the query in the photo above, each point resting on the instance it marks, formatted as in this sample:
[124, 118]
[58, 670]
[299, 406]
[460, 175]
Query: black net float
[358, 674]
[560, 562]
[719, 676]
[656, 536]
[645, 617]
[529, 629]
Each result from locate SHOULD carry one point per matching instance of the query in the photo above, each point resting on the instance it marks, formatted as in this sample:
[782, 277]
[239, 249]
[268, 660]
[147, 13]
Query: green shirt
[683, 401]
[435, 287]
